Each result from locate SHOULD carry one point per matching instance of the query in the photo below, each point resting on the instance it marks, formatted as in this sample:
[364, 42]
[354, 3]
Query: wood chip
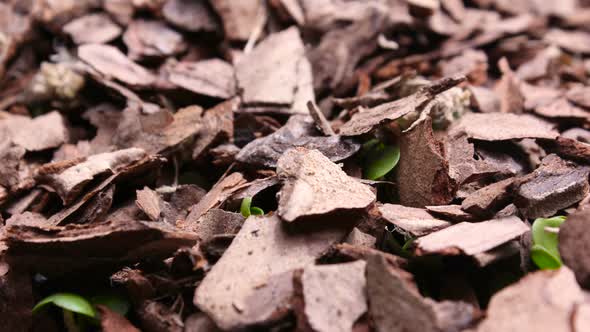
[573, 245]
[366, 120]
[471, 238]
[550, 299]
[219, 193]
[488, 200]
[57, 250]
[191, 15]
[239, 19]
[555, 185]
[393, 299]
[148, 39]
[92, 29]
[149, 202]
[313, 185]
[451, 212]
[504, 126]
[111, 321]
[411, 221]
[70, 182]
[227, 294]
[423, 172]
[334, 295]
[297, 132]
[572, 41]
[268, 74]
[213, 77]
[44, 132]
[111, 62]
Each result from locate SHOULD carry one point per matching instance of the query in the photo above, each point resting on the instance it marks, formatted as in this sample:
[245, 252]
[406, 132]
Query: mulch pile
[131, 131]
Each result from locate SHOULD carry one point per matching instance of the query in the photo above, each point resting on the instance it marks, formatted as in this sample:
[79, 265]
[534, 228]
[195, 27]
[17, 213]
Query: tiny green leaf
[68, 301]
[115, 302]
[245, 206]
[544, 259]
[545, 252]
[381, 160]
[256, 211]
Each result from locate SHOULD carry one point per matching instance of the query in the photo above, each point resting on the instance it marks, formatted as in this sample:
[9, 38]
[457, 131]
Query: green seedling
[380, 159]
[246, 209]
[74, 307]
[545, 252]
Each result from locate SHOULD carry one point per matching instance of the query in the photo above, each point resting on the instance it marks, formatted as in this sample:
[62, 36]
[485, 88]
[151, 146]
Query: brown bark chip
[227, 294]
[555, 185]
[313, 185]
[366, 120]
[541, 301]
[488, 200]
[412, 221]
[471, 238]
[212, 77]
[395, 305]
[334, 295]
[574, 245]
[504, 126]
[423, 171]
[92, 29]
[111, 62]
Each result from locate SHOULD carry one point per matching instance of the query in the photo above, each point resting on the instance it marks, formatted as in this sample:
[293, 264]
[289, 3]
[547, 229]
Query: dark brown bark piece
[320, 120]
[472, 64]
[423, 172]
[227, 294]
[488, 200]
[411, 221]
[452, 212]
[574, 247]
[239, 18]
[70, 182]
[568, 148]
[572, 41]
[395, 305]
[471, 238]
[314, 185]
[217, 127]
[504, 126]
[16, 297]
[213, 77]
[111, 62]
[297, 132]
[366, 120]
[268, 74]
[191, 15]
[148, 39]
[111, 321]
[550, 298]
[58, 250]
[155, 316]
[555, 185]
[92, 29]
[334, 295]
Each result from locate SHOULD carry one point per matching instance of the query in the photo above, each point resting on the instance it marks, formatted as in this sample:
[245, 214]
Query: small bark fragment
[92, 29]
[488, 200]
[504, 126]
[574, 235]
[411, 221]
[212, 77]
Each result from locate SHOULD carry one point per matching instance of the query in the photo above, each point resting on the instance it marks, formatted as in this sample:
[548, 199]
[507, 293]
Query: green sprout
[380, 159]
[70, 304]
[246, 209]
[77, 310]
[545, 253]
